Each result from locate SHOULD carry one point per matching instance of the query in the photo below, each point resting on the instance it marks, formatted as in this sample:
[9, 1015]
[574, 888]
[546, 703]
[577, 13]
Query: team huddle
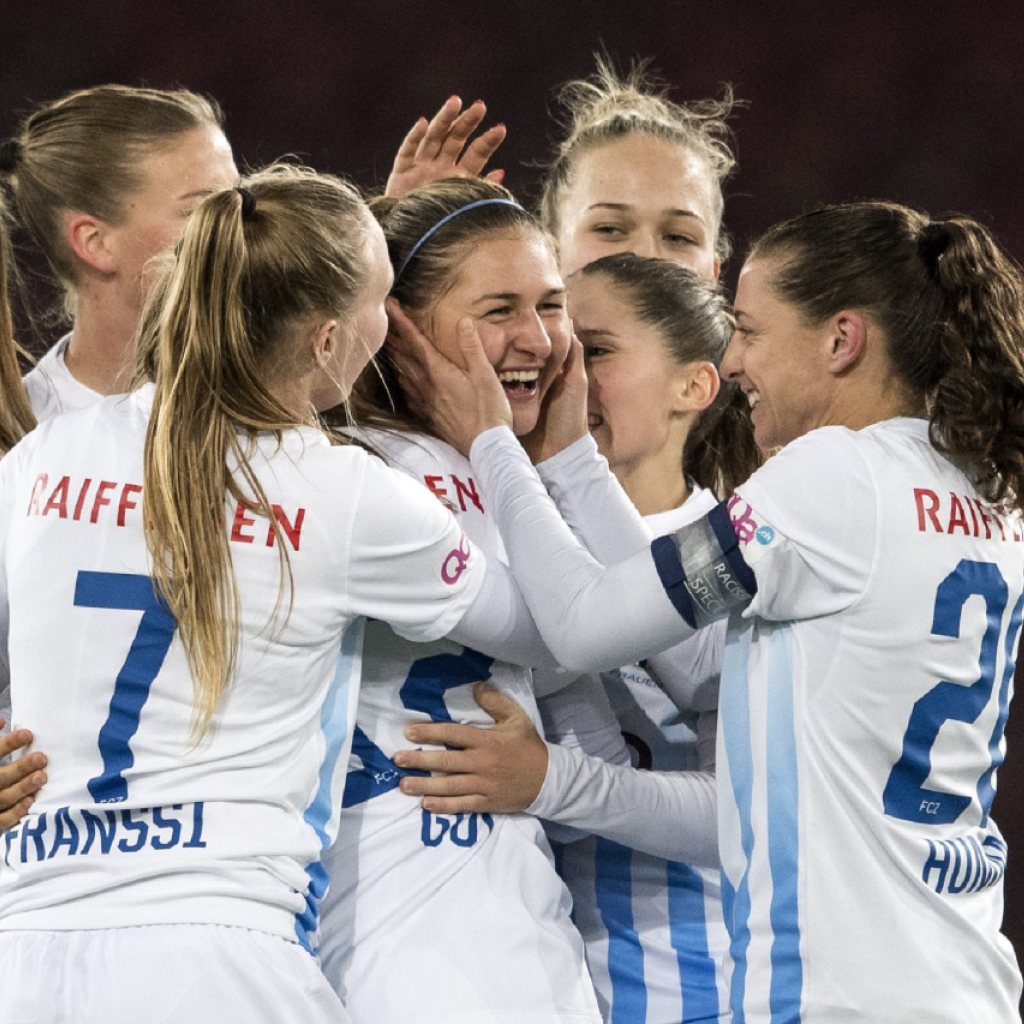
[426, 609]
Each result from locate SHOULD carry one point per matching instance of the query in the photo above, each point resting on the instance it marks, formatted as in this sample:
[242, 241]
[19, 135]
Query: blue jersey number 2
[126, 592]
[905, 795]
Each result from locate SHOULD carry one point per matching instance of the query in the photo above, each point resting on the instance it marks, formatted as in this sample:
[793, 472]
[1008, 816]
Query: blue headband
[444, 220]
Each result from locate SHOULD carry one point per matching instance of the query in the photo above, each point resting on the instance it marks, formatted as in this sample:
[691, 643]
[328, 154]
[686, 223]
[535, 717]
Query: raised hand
[459, 402]
[438, 148]
[563, 417]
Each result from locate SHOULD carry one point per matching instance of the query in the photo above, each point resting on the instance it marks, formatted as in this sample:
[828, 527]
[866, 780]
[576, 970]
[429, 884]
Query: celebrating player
[103, 179]
[204, 550]
[877, 566]
[652, 336]
[638, 173]
[452, 917]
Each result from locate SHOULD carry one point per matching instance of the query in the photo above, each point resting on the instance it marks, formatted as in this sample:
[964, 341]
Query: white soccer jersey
[655, 939]
[442, 918]
[861, 717]
[52, 389]
[138, 824]
[863, 701]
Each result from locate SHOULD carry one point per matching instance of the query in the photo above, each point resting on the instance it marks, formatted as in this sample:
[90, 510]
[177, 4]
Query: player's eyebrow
[626, 207]
[199, 193]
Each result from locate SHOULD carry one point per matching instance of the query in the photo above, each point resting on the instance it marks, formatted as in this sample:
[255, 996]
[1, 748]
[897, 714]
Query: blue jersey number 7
[126, 592]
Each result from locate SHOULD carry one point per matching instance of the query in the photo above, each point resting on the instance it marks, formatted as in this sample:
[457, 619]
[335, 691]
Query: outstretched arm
[591, 617]
[440, 148]
[510, 768]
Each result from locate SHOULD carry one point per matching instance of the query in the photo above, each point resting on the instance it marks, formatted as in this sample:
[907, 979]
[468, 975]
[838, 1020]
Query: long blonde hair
[16, 417]
[250, 265]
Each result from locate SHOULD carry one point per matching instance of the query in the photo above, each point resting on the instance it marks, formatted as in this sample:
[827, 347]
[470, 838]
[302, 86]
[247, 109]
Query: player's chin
[524, 418]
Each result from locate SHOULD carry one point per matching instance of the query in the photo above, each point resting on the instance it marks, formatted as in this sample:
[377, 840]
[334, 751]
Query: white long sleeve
[591, 617]
[668, 814]
[591, 500]
[499, 623]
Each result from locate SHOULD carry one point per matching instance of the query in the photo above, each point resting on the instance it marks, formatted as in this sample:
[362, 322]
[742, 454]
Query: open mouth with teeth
[753, 397]
[520, 385]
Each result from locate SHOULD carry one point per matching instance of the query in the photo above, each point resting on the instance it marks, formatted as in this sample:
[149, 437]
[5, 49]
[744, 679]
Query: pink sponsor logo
[455, 562]
[743, 522]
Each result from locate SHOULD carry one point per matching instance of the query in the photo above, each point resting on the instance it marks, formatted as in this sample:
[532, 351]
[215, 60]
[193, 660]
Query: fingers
[20, 780]
[448, 734]
[14, 741]
[456, 763]
[461, 128]
[472, 348]
[480, 150]
[573, 369]
[442, 785]
[404, 336]
[405, 158]
[12, 793]
[496, 704]
[456, 804]
[11, 817]
[439, 127]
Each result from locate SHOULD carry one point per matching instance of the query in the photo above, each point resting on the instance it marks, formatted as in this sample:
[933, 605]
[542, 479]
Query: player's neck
[859, 408]
[101, 353]
[653, 485]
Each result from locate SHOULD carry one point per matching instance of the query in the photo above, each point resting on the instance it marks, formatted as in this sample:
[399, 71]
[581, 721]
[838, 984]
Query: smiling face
[634, 404]
[175, 178]
[644, 195]
[509, 284]
[778, 360]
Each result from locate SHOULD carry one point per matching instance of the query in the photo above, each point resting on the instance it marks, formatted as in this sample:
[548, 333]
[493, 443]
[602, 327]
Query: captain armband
[702, 568]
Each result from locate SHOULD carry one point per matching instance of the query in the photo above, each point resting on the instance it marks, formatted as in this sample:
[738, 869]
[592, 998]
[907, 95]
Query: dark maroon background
[917, 102]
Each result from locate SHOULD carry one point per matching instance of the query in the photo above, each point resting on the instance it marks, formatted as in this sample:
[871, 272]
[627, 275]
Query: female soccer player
[652, 335]
[102, 180]
[462, 917]
[875, 566]
[638, 173]
[635, 172]
[204, 549]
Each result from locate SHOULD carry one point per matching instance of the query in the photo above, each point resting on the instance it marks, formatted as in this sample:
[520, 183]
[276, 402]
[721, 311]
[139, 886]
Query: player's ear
[698, 386]
[92, 241]
[847, 337]
[323, 338]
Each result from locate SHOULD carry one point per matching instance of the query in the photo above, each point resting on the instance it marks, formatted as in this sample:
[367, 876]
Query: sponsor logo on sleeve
[455, 562]
[756, 537]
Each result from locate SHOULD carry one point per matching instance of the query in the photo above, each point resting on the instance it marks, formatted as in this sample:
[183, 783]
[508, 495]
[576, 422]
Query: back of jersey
[862, 711]
[466, 910]
[141, 822]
